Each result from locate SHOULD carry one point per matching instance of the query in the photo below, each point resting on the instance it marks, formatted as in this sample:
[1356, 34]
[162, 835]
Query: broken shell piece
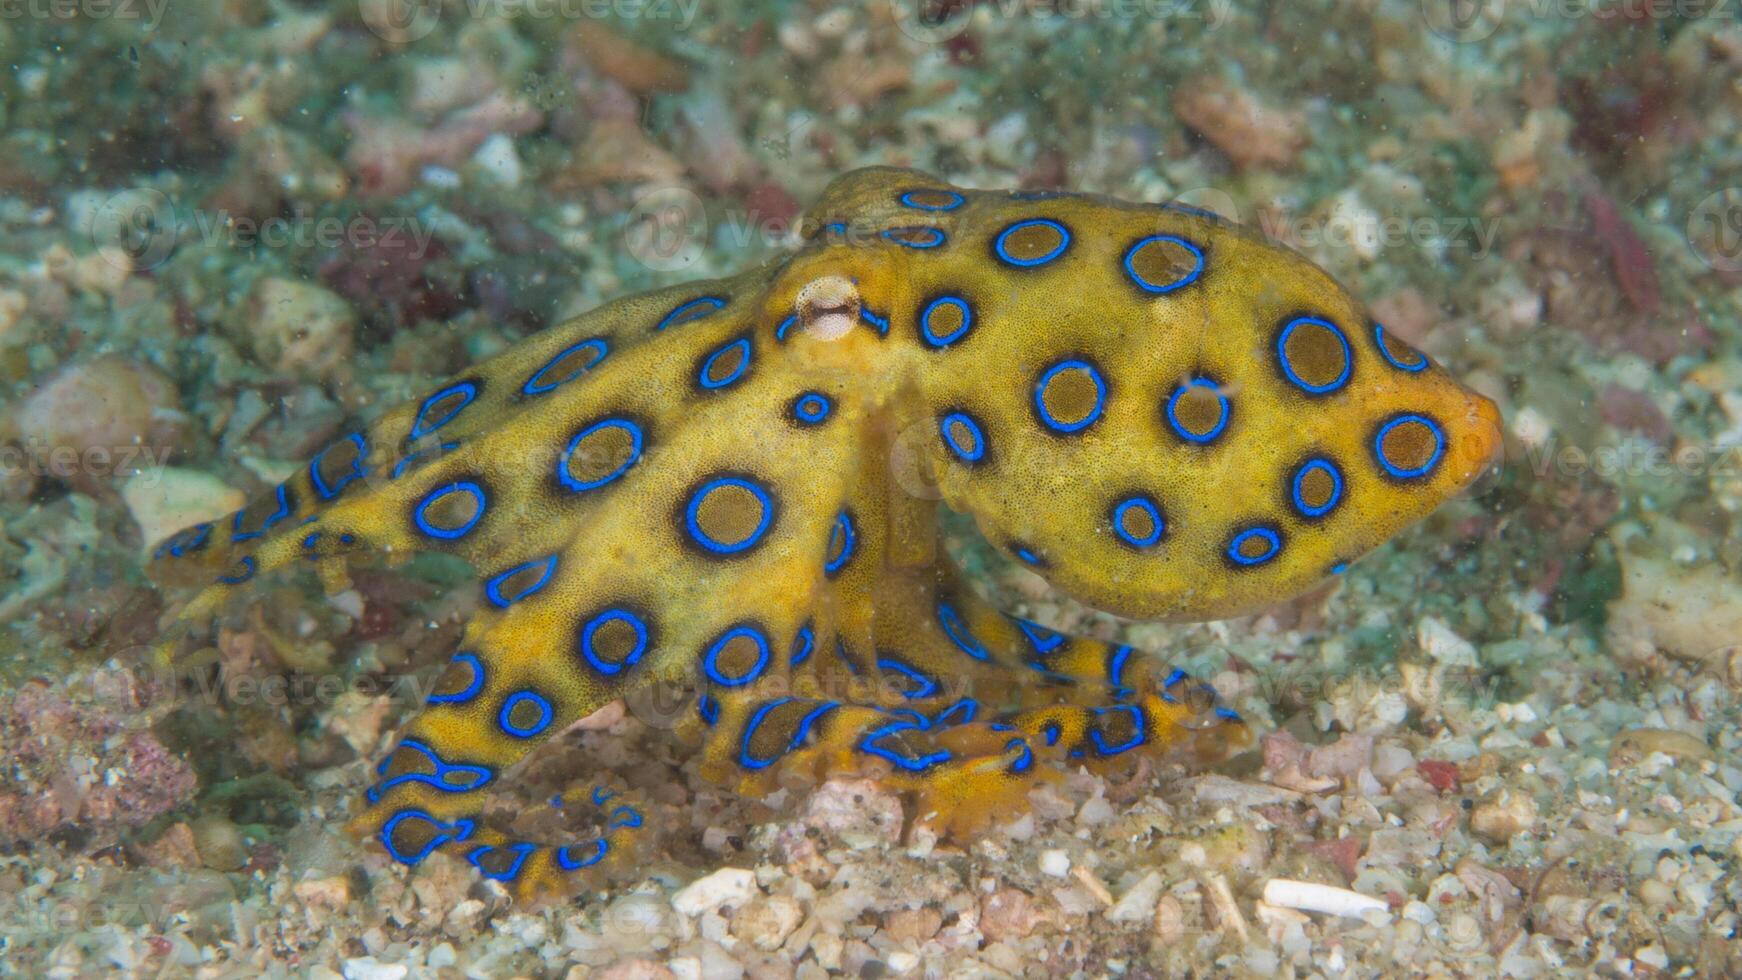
[1309, 897]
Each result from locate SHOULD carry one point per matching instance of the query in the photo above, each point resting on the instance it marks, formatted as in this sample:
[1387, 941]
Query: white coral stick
[1308, 897]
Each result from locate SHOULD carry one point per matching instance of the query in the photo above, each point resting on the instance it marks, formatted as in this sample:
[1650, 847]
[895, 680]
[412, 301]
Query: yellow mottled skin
[733, 485]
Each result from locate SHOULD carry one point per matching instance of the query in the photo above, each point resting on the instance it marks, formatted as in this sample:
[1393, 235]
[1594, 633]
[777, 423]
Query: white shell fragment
[1328, 899]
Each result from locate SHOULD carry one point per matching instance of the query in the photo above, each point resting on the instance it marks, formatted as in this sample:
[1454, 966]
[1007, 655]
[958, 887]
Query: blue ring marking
[1046, 378]
[473, 686]
[704, 377]
[581, 486]
[624, 817]
[493, 588]
[421, 456]
[836, 228]
[906, 200]
[1342, 377]
[1051, 732]
[1139, 725]
[940, 341]
[708, 710]
[566, 860]
[1175, 676]
[1192, 210]
[1049, 675]
[967, 454]
[785, 327]
[611, 615]
[925, 686]
[478, 776]
[1147, 506]
[538, 384]
[442, 493]
[1116, 662]
[1398, 472]
[701, 539]
[521, 851]
[283, 511]
[812, 408]
[1339, 568]
[1228, 714]
[308, 543]
[1379, 339]
[1162, 289]
[1058, 250]
[846, 657]
[1270, 537]
[803, 645]
[247, 572]
[423, 425]
[1025, 761]
[968, 708]
[878, 322]
[710, 659]
[959, 633]
[800, 732]
[1042, 639]
[601, 794]
[933, 236]
[356, 472]
[687, 311]
[1317, 463]
[447, 832]
[185, 540]
[1027, 555]
[517, 699]
[869, 746]
[1180, 430]
[845, 535]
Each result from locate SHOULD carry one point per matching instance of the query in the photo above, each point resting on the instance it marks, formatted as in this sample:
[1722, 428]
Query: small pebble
[725, 887]
[1055, 862]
